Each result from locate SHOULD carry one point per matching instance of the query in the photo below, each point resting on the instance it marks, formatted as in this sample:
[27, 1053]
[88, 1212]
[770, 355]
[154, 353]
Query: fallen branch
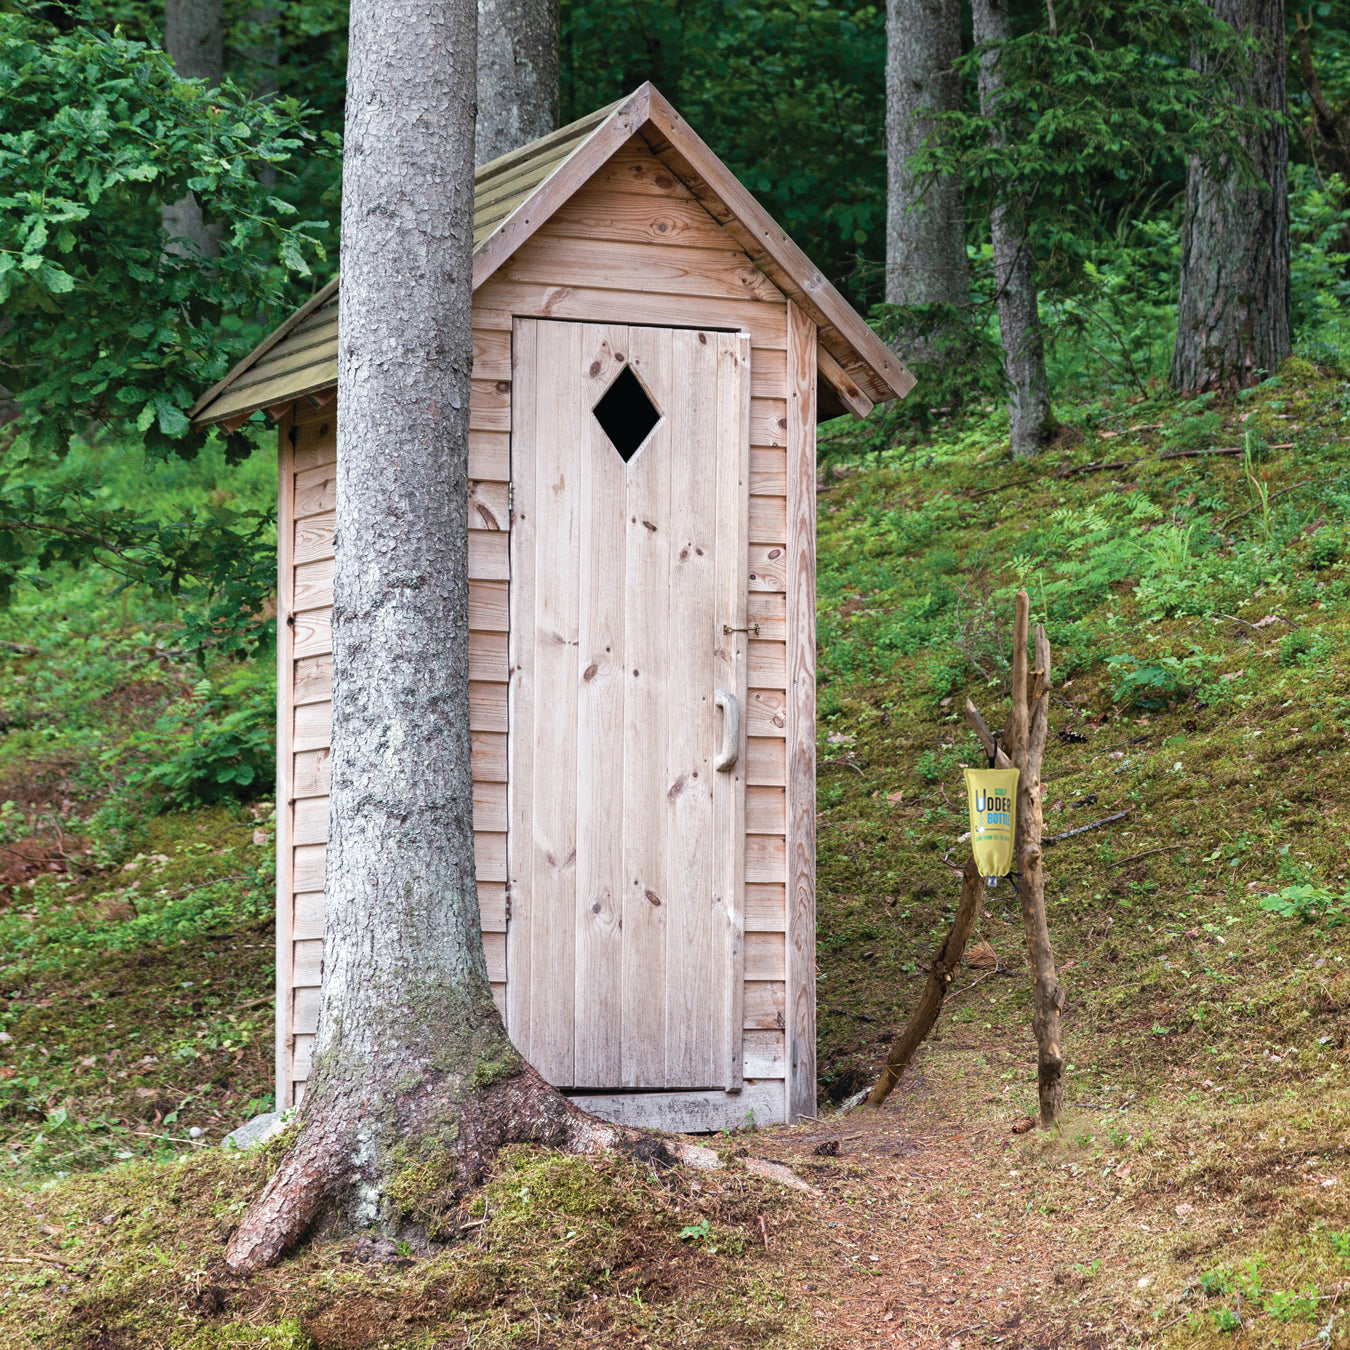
[941, 972]
[1083, 829]
[145, 1134]
[997, 970]
[1195, 454]
[1227, 521]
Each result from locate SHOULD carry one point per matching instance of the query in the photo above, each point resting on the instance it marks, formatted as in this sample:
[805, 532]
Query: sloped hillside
[1190, 563]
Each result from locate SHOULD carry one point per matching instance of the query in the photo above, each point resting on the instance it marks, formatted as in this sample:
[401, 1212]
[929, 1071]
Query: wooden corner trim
[800, 1006]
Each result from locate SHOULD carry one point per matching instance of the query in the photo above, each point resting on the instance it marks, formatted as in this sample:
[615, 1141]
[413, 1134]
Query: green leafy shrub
[217, 745]
[1195, 433]
[1310, 904]
[1293, 645]
[1325, 548]
[1154, 682]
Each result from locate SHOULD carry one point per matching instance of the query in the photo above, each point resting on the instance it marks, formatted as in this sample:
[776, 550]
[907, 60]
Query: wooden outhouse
[651, 357]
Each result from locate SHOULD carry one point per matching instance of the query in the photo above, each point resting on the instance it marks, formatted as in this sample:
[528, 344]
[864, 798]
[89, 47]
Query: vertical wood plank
[801, 716]
[601, 680]
[647, 564]
[285, 790]
[556, 454]
[733, 461]
[696, 936]
[520, 704]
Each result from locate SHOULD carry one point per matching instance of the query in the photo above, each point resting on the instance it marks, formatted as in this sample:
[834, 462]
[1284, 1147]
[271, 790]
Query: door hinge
[753, 629]
[510, 501]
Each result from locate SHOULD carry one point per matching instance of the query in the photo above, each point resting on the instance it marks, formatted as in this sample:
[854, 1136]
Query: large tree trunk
[193, 38]
[925, 221]
[1019, 319]
[413, 1075]
[517, 74]
[1233, 324]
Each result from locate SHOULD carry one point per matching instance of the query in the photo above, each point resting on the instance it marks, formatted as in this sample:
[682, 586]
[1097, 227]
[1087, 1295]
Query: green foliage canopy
[102, 324]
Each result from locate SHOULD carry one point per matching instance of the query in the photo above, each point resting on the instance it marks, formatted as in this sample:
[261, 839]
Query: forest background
[138, 708]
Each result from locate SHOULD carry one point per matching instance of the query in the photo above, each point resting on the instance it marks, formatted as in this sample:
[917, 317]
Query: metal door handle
[730, 751]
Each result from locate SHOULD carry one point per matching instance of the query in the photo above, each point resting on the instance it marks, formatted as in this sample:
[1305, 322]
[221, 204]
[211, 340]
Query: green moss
[495, 1068]
[413, 1193]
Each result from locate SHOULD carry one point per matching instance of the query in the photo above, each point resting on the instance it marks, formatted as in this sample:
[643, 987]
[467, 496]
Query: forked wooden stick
[1022, 748]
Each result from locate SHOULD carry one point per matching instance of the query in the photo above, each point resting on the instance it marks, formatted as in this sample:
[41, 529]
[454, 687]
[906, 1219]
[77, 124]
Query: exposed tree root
[343, 1168]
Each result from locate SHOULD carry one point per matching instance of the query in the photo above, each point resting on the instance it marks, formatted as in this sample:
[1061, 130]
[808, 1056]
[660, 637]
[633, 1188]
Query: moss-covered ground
[1190, 563]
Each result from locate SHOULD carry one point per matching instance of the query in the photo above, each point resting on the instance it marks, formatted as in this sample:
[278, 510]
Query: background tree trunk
[412, 1065]
[264, 54]
[193, 38]
[1019, 321]
[1233, 325]
[925, 223]
[517, 74]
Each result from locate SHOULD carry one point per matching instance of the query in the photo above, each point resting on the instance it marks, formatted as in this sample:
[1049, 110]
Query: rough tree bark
[1233, 320]
[925, 221]
[1021, 747]
[517, 74]
[414, 1084]
[1019, 321]
[193, 38]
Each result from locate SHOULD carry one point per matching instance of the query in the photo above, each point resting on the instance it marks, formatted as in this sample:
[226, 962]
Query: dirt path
[934, 1227]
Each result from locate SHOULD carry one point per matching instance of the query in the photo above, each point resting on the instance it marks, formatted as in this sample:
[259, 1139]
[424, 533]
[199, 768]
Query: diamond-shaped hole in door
[626, 414]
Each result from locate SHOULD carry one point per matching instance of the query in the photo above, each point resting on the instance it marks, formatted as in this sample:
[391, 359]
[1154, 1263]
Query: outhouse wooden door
[630, 474]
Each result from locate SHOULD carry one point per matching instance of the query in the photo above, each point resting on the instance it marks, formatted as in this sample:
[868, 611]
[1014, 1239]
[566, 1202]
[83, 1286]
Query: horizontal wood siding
[633, 247]
[307, 503]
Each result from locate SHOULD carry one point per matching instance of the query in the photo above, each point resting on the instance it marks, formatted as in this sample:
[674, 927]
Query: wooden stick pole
[1048, 997]
[946, 962]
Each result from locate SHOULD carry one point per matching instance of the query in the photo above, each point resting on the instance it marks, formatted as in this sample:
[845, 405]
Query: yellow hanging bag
[992, 794]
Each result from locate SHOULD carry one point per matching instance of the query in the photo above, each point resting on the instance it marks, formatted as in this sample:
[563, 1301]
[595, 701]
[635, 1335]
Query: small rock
[258, 1130]
[6, 1038]
[774, 1171]
[260, 837]
[382, 1251]
[195, 1132]
[1184, 1209]
[1145, 1281]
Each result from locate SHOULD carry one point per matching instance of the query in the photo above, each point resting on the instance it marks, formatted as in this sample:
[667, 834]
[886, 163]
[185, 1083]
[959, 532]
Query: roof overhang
[514, 196]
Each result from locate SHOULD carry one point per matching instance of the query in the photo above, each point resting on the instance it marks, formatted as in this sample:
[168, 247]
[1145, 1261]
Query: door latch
[753, 629]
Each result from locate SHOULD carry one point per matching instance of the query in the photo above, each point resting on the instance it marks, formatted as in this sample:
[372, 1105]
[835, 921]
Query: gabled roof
[516, 194]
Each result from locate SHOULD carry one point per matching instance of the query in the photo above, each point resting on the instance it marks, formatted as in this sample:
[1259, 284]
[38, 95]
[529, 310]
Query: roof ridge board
[324, 293]
[509, 187]
[521, 168]
[574, 130]
[622, 122]
[818, 295]
[304, 340]
[316, 353]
